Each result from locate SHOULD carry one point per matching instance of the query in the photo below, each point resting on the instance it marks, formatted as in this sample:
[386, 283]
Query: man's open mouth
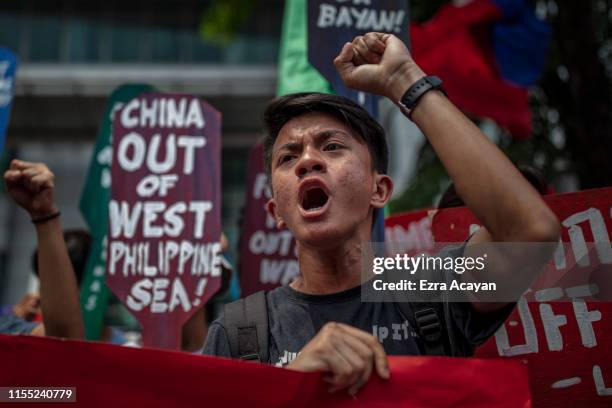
[314, 199]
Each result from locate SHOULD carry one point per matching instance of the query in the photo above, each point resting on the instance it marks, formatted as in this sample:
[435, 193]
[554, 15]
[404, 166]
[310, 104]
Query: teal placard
[94, 207]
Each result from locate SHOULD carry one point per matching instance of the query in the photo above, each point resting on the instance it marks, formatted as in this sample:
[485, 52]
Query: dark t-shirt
[294, 319]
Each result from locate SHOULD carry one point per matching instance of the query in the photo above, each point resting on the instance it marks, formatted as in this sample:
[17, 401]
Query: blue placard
[331, 23]
[8, 66]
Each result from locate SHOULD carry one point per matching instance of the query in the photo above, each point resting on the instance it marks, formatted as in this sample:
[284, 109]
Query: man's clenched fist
[32, 186]
[378, 63]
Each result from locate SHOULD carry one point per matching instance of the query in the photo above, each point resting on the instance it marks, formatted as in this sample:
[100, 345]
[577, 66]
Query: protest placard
[8, 66]
[332, 23]
[267, 255]
[563, 332]
[164, 254]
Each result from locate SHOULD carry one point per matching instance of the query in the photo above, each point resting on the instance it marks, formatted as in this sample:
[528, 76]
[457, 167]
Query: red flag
[456, 46]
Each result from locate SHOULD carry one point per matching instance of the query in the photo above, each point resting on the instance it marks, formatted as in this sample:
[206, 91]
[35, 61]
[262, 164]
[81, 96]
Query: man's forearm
[58, 286]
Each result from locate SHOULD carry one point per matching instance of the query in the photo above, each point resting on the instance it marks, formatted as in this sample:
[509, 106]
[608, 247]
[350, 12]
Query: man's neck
[332, 270]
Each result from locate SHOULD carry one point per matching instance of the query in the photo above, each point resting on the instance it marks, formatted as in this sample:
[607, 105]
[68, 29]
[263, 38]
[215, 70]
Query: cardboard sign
[332, 23]
[106, 375]
[564, 344]
[164, 255]
[8, 66]
[267, 255]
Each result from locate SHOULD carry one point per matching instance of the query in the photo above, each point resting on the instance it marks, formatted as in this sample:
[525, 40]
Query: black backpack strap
[428, 320]
[246, 324]
[430, 325]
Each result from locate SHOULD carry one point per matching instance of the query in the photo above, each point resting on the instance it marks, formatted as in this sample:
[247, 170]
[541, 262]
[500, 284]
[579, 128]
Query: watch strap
[412, 96]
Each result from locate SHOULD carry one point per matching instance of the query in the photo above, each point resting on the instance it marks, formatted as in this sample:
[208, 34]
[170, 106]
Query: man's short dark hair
[282, 109]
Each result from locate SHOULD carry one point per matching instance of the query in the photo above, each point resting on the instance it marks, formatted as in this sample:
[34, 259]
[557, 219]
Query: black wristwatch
[417, 90]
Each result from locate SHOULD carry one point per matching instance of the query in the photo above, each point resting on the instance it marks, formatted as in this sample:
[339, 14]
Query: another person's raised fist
[378, 63]
[32, 186]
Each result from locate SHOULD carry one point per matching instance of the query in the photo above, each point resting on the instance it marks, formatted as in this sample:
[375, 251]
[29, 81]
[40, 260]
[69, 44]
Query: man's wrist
[47, 218]
[305, 366]
[417, 91]
[402, 79]
[36, 215]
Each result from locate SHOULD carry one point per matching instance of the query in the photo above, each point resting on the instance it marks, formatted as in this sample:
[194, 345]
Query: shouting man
[327, 163]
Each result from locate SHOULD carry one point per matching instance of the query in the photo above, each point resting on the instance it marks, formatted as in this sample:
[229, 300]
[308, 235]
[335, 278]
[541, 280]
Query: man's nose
[311, 162]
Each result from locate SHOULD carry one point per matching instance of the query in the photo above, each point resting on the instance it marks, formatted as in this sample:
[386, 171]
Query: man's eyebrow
[326, 134]
[291, 146]
[320, 137]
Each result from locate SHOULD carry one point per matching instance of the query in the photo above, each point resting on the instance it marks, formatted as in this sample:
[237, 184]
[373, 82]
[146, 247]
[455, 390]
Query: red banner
[106, 375]
[409, 233]
[564, 344]
[267, 255]
[164, 255]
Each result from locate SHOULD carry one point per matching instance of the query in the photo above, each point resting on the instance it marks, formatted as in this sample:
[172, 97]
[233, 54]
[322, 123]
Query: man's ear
[271, 207]
[383, 188]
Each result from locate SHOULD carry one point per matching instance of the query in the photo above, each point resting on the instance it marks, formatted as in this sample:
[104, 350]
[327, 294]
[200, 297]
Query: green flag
[295, 74]
[94, 207]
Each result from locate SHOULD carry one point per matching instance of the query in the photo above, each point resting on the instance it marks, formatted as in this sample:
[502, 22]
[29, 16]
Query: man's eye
[332, 147]
[285, 158]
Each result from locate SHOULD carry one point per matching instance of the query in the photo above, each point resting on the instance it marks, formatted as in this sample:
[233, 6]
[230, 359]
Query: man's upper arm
[498, 273]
